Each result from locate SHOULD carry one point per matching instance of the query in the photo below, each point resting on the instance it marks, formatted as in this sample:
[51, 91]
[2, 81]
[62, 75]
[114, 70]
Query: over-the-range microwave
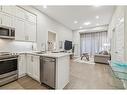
[7, 32]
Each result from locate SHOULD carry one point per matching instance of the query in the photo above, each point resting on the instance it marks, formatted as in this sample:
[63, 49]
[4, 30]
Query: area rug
[84, 61]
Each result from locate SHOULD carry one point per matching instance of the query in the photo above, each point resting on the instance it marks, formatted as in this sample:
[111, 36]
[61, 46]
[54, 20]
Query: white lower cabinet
[33, 66]
[29, 64]
[22, 65]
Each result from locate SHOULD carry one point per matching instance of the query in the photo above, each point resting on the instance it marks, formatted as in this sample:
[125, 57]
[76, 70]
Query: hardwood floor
[82, 76]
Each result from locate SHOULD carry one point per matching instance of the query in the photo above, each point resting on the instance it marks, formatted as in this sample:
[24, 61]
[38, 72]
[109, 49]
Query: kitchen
[24, 44]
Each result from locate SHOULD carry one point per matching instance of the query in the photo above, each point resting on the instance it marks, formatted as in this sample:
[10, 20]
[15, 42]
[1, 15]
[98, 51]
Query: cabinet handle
[1, 20]
[27, 37]
[1, 8]
[32, 58]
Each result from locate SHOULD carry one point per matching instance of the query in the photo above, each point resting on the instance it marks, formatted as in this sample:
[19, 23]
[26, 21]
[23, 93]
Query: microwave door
[4, 32]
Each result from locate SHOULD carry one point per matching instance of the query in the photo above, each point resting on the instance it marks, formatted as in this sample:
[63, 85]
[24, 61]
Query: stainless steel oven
[8, 69]
[7, 32]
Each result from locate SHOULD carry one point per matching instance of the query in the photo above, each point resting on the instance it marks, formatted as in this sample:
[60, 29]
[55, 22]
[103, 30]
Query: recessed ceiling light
[80, 27]
[75, 22]
[122, 20]
[97, 17]
[97, 24]
[87, 23]
[96, 5]
[45, 6]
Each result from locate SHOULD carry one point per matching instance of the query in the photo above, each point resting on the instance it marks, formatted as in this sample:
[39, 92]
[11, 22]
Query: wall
[76, 36]
[125, 22]
[120, 12]
[45, 24]
[14, 46]
[117, 35]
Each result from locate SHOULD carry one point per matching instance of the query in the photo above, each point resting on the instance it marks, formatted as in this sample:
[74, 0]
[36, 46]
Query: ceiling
[74, 17]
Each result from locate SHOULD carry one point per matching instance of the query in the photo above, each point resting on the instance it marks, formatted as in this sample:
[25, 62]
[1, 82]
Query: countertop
[49, 54]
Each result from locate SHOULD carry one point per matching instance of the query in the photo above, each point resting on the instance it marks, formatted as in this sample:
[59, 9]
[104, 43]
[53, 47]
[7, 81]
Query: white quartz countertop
[54, 55]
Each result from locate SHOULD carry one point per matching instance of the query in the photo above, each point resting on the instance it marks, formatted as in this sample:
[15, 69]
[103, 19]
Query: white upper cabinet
[30, 17]
[6, 20]
[20, 30]
[22, 20]
[30, 29]
[0, 8]
[20, 12]
[9, 9]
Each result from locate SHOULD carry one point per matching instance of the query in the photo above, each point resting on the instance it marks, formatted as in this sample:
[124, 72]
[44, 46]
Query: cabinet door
[19, 29]
[22, 65]
[30, 65]
[20, 12]
[7, 20]
[36, 68]
[8, 9]
[30, 17]
[30, 28]
[0, 8]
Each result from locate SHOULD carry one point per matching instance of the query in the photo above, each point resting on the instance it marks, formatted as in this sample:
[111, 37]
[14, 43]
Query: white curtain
[93, 42]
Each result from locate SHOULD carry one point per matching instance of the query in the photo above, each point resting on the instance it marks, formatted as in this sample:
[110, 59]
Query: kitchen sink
[40, 52]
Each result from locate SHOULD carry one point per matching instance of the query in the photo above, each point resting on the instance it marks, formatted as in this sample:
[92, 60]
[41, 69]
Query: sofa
[102, 57]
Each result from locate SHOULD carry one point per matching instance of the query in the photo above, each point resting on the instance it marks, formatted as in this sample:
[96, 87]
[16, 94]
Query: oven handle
[8, 59]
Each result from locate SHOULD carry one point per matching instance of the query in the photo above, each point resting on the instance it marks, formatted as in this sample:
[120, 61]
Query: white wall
[125, 35]
[45, 24]
[121, 11]
[115, 24]
[76, 36]
[14, 46]
[115, 19]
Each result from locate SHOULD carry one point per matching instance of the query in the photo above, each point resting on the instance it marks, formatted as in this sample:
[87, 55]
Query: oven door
[8, 65]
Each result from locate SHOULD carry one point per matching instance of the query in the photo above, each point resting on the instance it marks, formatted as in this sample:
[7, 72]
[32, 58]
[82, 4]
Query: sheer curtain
[93, 42]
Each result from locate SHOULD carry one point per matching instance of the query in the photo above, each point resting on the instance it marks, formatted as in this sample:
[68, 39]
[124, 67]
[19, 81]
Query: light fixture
[45, 6]
[96, 5]
[75, 22]
[87, 23]
[97, 17]
[97, 24]
[80, 27]
[122, 20]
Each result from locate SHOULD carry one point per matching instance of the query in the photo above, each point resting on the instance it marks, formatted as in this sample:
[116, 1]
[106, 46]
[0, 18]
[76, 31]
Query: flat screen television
[67, 45]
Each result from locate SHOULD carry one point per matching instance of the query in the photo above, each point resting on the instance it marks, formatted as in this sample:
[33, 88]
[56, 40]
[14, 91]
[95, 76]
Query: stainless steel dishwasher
[47, 71]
